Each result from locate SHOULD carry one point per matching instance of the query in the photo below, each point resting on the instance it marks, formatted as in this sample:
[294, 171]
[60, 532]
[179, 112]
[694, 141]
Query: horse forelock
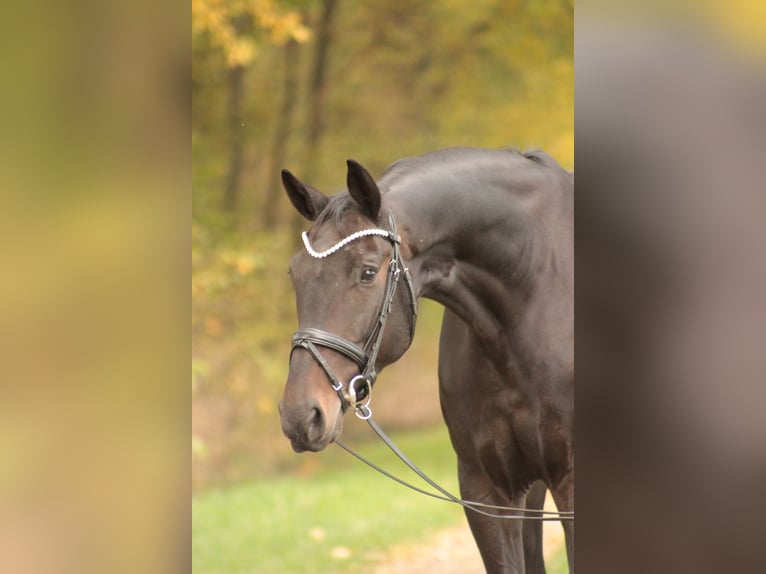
[336, 212]
[339, 212]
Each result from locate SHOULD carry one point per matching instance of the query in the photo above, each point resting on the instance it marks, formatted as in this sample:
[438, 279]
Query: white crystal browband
[342, 242]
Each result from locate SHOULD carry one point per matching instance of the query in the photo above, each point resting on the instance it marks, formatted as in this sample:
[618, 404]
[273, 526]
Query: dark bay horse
[488, 234]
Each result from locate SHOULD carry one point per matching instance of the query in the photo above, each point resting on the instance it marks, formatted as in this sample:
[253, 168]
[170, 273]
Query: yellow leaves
[282, 27]
[245, 264]
[215, 272]
[239, 51]
[562, 148]
[298, 31]
[216, 19]
[206, 15]
[213, 326]
[265, 405]
[743, 23]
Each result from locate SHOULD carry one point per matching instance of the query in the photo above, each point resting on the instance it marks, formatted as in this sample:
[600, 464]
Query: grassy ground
[557, 564]
[339, 517]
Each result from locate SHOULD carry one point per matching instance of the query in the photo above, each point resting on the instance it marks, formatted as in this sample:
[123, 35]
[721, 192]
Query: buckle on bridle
[359, 397]
[394, 268]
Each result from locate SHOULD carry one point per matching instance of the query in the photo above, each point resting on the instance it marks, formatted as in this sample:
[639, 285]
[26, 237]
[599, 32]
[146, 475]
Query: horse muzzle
[310, 411]
[309, 426]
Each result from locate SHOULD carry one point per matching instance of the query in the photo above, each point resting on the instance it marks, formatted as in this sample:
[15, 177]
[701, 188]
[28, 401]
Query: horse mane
[435, 159]
[341, 203]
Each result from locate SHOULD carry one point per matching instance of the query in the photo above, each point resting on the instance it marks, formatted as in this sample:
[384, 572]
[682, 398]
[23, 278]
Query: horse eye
[368, 274]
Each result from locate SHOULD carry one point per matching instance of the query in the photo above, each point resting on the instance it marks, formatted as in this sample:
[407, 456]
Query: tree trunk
[235, 82]
[318, 75]
[317, 87]
[274, 197]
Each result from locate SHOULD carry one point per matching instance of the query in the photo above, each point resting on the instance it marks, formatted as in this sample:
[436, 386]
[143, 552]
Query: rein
[539, 515]
[358, 392]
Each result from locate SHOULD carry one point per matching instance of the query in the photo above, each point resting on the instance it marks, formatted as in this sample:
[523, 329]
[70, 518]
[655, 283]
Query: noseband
[358, 392]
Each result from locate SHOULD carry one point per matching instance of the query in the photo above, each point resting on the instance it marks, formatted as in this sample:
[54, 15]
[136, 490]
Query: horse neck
[500, 260]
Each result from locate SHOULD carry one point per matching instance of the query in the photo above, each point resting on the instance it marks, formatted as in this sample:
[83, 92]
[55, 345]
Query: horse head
[353, 321]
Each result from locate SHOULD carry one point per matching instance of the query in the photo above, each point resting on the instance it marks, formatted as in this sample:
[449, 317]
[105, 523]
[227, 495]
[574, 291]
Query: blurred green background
[307, 84]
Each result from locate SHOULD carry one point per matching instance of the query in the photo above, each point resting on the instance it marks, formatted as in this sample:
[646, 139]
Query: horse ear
[363, 189]
[308, 201]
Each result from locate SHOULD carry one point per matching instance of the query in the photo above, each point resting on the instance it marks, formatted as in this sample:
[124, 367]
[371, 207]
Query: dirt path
[453, 551]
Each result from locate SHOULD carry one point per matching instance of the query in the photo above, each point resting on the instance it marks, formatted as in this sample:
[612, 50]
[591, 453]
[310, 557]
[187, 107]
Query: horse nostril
[315, 424]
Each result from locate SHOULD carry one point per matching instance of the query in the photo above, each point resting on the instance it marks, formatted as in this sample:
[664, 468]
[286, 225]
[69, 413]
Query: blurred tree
[285, 118]
[235, 80]
[238, 28]
[317, 86]
[219, 21]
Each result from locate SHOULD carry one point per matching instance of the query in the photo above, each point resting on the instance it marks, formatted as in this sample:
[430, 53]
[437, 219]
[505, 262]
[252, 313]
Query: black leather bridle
[358, 392]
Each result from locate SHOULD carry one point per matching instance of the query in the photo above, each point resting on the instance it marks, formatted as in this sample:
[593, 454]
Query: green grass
[341, 518]
[558, 563]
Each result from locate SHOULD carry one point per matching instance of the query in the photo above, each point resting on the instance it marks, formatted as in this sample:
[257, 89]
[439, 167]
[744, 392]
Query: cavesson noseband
[359, 390]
